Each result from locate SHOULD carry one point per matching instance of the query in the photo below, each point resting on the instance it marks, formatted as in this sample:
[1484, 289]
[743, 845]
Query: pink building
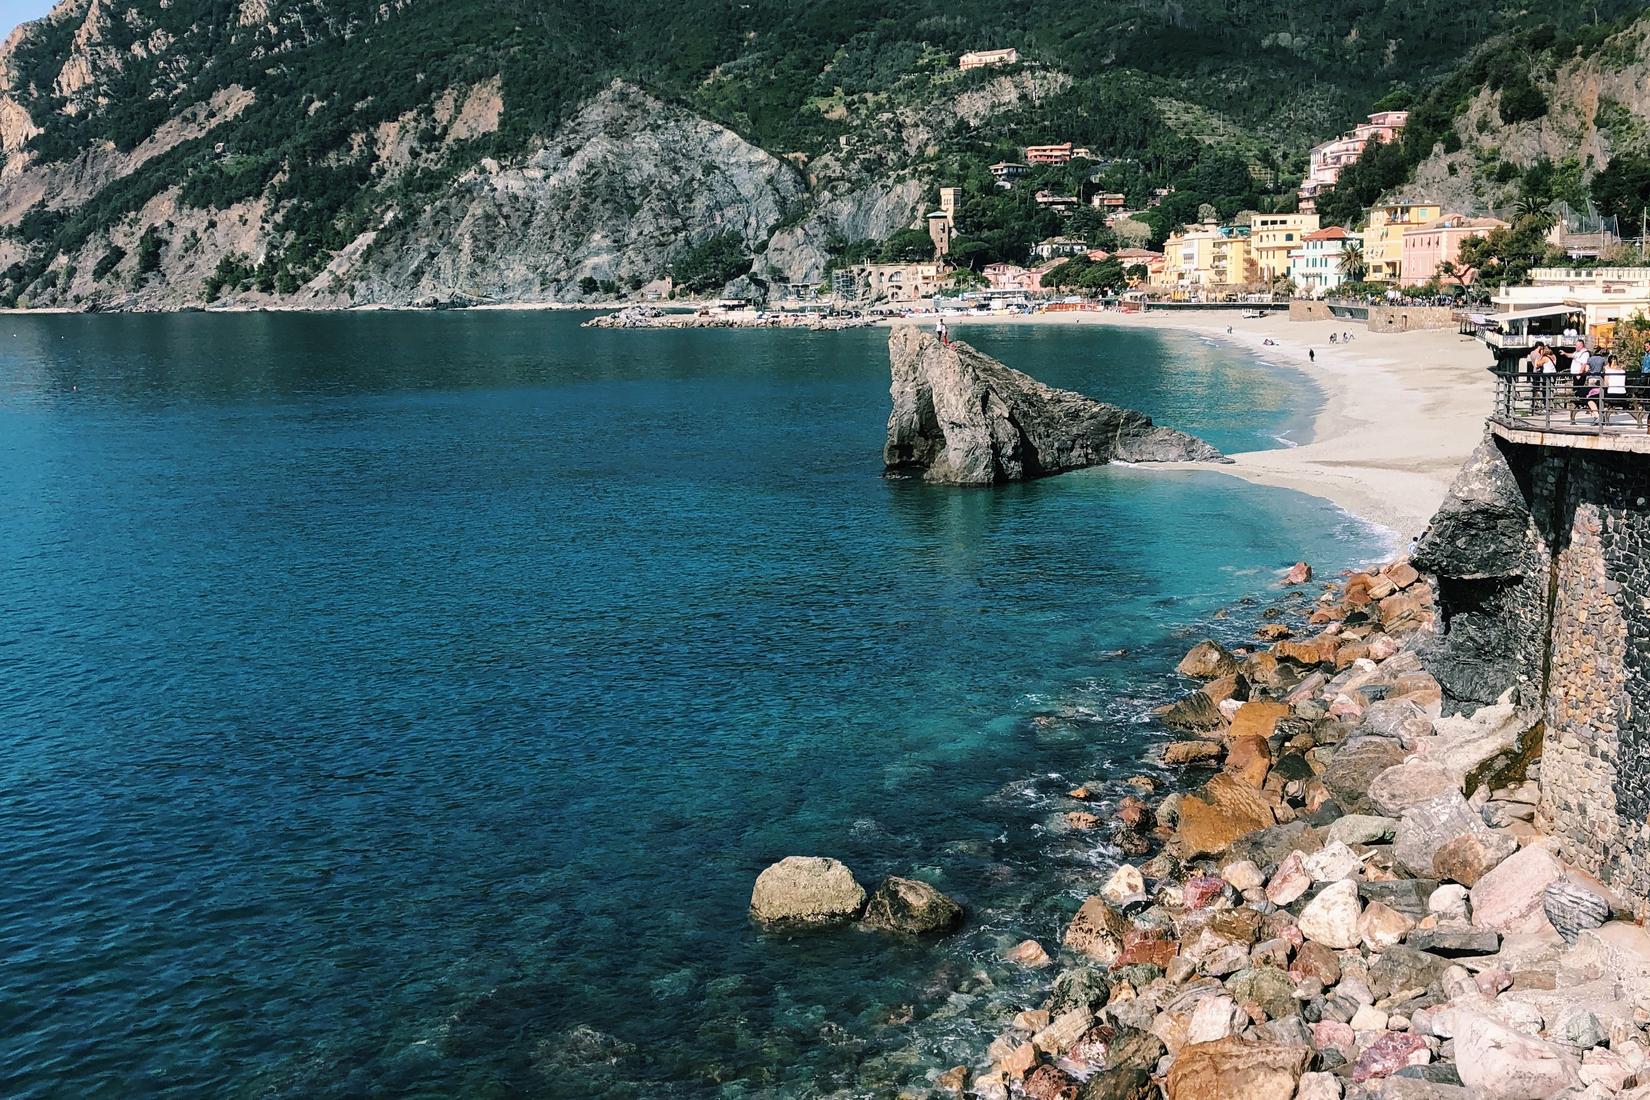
[1425, 247]
[1327, 160]
[1007, 277]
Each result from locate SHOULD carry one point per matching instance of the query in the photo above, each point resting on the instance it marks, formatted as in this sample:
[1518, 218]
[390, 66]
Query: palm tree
[1353, 268]
[1533, 209]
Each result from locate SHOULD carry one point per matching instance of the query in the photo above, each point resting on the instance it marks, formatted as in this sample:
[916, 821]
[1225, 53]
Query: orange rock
[1274, 632]
[1257, 718]
[1147, 945]
[1019, 1061]
[1223, 811]
[1133, 814]
[953, 1080]
[1081, 821]
[1248, 759]
[1402, 574]
[1313, 652]
[1097, 930]
[1348, 653]
[1030, 954]
[1226, 687]
[1182, 753]
[1299, 573]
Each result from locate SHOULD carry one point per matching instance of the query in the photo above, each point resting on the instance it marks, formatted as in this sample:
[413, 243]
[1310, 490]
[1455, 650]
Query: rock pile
[1354, 905]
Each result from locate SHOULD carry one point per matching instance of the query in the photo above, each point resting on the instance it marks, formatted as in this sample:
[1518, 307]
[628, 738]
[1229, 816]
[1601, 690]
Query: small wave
[1286, 441]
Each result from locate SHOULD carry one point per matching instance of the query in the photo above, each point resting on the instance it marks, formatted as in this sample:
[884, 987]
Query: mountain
[167, 153]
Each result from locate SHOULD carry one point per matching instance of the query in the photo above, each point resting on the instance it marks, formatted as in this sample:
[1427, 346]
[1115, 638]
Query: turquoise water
[386, 697]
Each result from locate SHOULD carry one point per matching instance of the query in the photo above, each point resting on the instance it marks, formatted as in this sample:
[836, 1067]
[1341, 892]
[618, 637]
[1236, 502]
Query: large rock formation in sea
[963, 418]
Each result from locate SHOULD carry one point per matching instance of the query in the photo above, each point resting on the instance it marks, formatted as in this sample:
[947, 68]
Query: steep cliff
[963, 418]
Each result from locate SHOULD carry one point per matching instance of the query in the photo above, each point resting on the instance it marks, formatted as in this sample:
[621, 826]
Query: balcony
[1553, 410]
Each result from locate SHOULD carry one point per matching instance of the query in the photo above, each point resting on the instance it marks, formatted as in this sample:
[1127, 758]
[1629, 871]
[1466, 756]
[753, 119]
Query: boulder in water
[960, 417]
[911, 907]
[806, 891]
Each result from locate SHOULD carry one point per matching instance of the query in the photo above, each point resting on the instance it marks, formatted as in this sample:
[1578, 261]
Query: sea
[403, 704]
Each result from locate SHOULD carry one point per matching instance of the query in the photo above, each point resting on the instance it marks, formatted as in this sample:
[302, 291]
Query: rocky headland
[961, 417]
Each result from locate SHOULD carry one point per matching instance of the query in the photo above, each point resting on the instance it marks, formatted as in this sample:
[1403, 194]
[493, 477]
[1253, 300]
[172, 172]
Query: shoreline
[1401, 412]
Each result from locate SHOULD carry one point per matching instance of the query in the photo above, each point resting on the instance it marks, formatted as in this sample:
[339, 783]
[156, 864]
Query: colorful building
[1272, 237]
[1326, 161]
[984, 59]
[1206, 256]
[1056, 154]
[1428, 247]
[1058, 247]
[1315, 266]
[1384, 236]
[1007, 277]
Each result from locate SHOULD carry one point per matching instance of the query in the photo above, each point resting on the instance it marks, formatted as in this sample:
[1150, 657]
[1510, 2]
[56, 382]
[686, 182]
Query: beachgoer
[1311, 356]
[1331, 337]
[940, 331]
[1578, 379]
[1596, 362]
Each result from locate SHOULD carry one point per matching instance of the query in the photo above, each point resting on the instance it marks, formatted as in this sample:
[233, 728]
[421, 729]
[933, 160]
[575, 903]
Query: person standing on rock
[942, 332]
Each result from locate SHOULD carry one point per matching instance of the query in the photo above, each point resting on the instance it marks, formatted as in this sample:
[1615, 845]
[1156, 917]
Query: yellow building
[1205, 257]
[1272, 237]
[1384, 237]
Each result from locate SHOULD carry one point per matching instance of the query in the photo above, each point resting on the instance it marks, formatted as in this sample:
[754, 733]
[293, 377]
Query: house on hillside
[1427, 247]
[1060, 204]
[1272, 238]
[1108, 200]
[1005, 172]
[1052, 247]
[985, 59]
[1326, 162]
[1063, 153]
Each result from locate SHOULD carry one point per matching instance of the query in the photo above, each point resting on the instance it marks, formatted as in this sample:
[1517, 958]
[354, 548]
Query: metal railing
[1574, 404]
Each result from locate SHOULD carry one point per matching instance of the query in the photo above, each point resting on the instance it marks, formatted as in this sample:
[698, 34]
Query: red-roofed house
[1316, 266]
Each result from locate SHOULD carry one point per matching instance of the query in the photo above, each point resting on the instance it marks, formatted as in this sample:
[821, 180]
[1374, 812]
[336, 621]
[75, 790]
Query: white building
[1316, 266]
[980, 59]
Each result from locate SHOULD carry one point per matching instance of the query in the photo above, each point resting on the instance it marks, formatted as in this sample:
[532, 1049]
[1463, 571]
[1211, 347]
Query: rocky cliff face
[1598, 107]
[961, 417]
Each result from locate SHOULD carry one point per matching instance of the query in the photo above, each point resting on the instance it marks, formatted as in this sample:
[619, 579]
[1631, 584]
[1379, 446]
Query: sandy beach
[1401, 411]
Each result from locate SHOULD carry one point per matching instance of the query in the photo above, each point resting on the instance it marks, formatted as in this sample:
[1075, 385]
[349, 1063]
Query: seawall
[1542, 555]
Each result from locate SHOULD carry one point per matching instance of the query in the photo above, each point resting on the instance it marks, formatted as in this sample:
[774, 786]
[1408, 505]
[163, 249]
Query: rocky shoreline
[1354, 902]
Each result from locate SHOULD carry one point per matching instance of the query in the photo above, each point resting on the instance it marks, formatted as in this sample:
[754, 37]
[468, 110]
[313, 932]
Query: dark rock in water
[910, 907]
[1083, 987]
[1454, 942]
[1573, 909]
[582, 1046]
[963, 418]
[1193, 712]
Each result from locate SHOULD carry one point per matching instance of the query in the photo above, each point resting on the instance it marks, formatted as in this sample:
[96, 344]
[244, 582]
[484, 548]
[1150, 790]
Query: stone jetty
[654, 317]
[961, 417]
[1347, 899]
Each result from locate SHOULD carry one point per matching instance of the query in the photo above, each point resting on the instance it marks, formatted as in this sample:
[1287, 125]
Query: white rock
[1449, 902]
[1318, 1086]
[1215, 1018]
[1380, 925]
[1125, 882]
[1497, 1063]
[1243, 875]
[1368, 1018]
[1331, 918]
[1509, 897]
[1332, 862]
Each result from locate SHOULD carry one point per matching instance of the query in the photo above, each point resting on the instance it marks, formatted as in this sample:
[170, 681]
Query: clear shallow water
[386, 696]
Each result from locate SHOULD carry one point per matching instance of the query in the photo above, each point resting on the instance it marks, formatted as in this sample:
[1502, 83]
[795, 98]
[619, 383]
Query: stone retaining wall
[1562, 609]
[1409, 318]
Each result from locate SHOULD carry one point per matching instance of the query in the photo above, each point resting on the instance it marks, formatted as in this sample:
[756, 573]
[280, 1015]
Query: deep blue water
[384, 697]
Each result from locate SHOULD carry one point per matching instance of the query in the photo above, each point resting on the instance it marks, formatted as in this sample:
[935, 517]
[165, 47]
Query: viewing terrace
[1555, 410]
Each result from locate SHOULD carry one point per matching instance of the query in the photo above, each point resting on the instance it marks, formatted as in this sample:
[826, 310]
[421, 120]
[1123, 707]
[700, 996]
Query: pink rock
[1508, 898]
[1201, 891]
[1382, 646]
[1390, 1053]
[1289, 881]
[1299, 573]
[1347, 705]
[1333, 1035]
[1491, 982]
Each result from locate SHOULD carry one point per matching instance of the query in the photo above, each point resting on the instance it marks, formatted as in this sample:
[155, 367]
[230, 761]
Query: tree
[908, 246]
[1623, 188]
[1353, 268]
[588, 285]
[712, 263]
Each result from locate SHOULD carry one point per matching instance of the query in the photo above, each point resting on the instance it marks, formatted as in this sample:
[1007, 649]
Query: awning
[1526, 314]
